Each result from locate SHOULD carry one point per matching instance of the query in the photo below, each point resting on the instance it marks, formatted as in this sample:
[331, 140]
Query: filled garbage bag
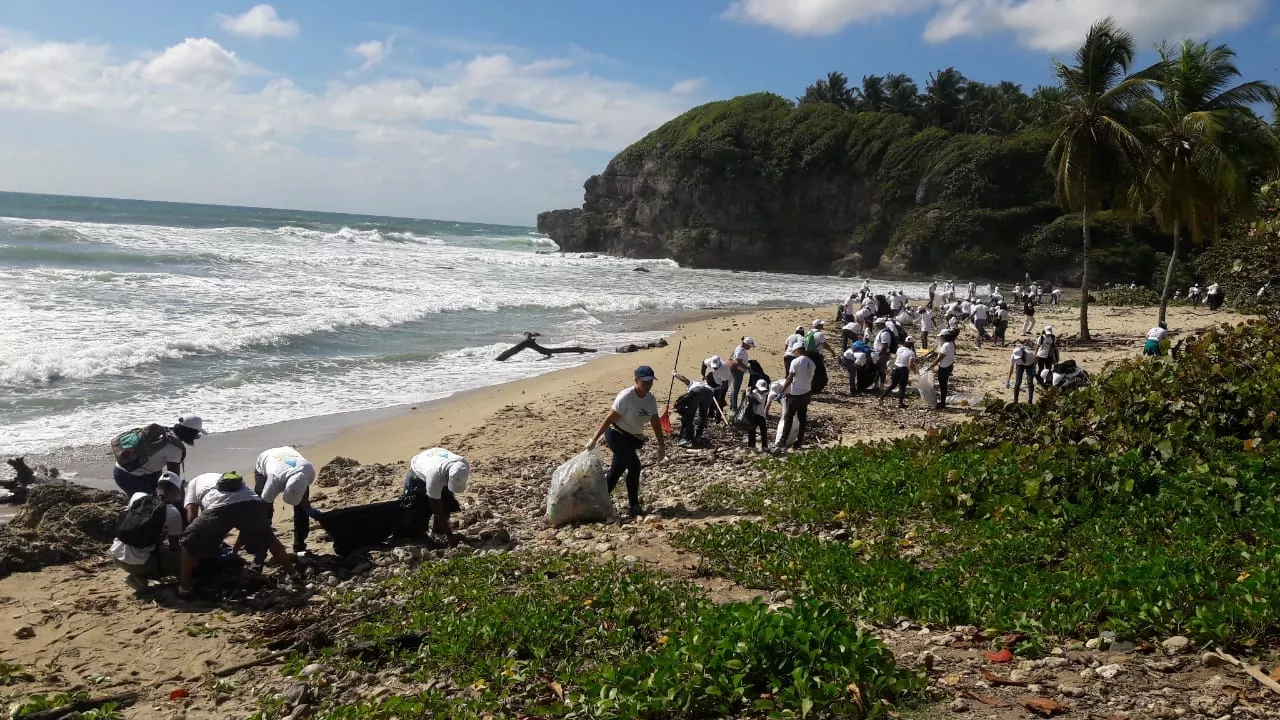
[928, 393]
[578, 492]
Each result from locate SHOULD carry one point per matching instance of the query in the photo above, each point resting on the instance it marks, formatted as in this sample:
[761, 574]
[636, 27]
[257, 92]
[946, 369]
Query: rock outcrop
[757, 183]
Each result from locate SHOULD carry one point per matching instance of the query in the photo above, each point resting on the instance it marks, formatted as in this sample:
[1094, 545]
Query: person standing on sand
[283, 471]
[1046, 353]
[623, 430]
[1002, 323]
[904, 363]
[881, 349]
[945, 363]
[758, 400]
[739, 366]
[866, 289]
[1028, 312]
[439, 475]
[719, 375]
[1055, 296]
[926, 324]
[217, 504]
[933, 290]
[795, 342]
[797, 389]
[980, 321]
[170, 454]
[698, 402]
[1022, 362]
[1213, 295]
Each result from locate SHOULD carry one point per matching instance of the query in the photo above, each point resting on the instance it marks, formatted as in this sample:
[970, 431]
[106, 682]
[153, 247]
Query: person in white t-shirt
[980, 321]
[851, 331]
[1022, 362]
[1154, 345]
[624, 428]
[926, 325]
[904, 363]
[719, 375]
[881, 349]
[695, 407]
[438, 475]
[945, 363]
[795, 342]
[797, 389]
[1046, 354]
[739, 366]
[1055, 296]
[218, 507]
[1213, 295]
[147, 544]
[169, 456]
[284, 472]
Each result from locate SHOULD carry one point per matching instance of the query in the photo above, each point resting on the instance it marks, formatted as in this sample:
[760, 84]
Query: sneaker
[136, 583]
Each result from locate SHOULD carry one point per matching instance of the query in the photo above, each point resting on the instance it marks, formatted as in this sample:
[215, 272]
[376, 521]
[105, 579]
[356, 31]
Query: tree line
[1178, 140]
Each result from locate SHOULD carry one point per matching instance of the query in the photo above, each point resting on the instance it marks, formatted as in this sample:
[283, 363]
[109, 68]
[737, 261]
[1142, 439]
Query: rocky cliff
[757, 183]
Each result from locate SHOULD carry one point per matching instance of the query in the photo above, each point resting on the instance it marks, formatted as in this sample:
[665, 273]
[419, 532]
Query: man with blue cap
[623, 430]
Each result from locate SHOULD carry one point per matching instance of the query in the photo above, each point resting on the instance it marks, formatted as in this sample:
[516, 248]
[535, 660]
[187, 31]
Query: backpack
[142, 523]
[133, 448]
[811, 341]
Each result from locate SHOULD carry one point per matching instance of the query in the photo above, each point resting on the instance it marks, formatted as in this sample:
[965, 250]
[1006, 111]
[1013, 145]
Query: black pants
[1001, 327]
[302, 514]
[625, 459]
[1043, 364]
[1030, 372]
[797, 407]
[846, 337]
[758, 426]
[944, 381]
[853, 375]
[882, 362]
[701, 406]
[900, 375]
[130, 483]
[786, 364]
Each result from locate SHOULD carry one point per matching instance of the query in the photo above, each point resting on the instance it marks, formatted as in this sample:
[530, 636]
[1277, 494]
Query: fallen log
[530, 344]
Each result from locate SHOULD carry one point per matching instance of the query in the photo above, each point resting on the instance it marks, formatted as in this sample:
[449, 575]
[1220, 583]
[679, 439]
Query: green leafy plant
[12, 673]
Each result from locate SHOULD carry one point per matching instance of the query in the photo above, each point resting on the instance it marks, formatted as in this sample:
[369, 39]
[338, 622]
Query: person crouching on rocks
[758, 406]
[623, 429]
[216, 505]
[152, 450]
[148, 534]
[698, 402]
[436, 475]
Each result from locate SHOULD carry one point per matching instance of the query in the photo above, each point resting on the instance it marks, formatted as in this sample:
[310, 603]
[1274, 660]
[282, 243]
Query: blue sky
[482, 110]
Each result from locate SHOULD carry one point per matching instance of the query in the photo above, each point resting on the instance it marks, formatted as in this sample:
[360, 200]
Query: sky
[478, 110]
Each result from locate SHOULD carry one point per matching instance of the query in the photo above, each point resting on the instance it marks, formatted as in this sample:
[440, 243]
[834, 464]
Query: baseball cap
[644, 372]
[171, 477]
[762, 386]
[1048, 329]
[714, 362]
[459, 473]
[748, 342]
[800, 329]
[818, 323]
[193, 422]
[909, 340]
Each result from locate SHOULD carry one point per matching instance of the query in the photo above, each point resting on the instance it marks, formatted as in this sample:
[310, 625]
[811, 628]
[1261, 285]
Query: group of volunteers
[173, 526]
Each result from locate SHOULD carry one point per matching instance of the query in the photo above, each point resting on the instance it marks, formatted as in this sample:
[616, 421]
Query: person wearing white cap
[1022, 362]
[1046, 353]
[147, 535]
[758, 400]
[814, 343]
[739, 366]
[884, 345]
[143, 453]
[438, 474]
[720, 376]
[795, 341]
[283, 471]
[904, 363]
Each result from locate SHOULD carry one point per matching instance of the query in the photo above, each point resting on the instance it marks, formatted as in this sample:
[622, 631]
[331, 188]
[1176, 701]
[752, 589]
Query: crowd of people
[174, 527]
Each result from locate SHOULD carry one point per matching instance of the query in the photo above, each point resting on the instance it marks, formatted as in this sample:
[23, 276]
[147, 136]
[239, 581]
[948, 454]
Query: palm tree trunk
[1168, 274]
[1084, 275]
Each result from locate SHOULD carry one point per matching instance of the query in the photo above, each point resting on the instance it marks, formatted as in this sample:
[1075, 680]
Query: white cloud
[373, 52]
[194, 61]
[486, 138]
[692, 86]
[259, 21]
[1055, 25]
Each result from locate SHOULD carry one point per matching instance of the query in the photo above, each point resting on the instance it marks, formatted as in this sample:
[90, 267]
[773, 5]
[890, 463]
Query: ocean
[115, 313]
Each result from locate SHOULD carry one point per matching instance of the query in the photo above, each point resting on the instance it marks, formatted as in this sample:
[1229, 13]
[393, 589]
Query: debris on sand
[60, 523]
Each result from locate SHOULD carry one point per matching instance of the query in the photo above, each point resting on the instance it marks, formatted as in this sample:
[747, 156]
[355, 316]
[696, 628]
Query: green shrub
[1127, 297]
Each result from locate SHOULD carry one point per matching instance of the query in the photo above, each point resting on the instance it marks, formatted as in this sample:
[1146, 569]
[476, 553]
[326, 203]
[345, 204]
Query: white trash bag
[578, 492]
[928, 393]
[795, 425]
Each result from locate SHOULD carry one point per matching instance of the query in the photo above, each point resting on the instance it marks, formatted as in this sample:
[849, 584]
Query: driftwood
[530, 344]
[79, 706]
[1254, 671]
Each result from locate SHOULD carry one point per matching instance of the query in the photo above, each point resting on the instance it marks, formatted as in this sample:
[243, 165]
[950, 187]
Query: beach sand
[87, 625]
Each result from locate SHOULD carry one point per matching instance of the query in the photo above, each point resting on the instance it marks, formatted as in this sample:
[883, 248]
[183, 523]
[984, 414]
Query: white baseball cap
[748, 342]
[192, 422]
[459, 473]
[762, 386]
[171, 477]
[1048, 329]
[818, 323]
[714, 362]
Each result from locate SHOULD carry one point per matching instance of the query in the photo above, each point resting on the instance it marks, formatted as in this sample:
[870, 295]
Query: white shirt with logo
[432, 468]
[634, 412]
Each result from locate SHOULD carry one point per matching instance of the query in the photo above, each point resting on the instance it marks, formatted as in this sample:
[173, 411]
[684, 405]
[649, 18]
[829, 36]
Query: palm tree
[903, 94]
[1045, 106]
[833, 89]
[872, 95]
[1204, 139]
[1097, 147]
[944, 98]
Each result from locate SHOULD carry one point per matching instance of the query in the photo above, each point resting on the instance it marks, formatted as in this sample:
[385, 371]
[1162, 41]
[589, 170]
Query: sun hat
[644, 372]
[192, 421]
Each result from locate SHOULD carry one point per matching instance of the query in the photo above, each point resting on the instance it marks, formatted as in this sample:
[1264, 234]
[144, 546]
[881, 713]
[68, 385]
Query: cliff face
[755, 183]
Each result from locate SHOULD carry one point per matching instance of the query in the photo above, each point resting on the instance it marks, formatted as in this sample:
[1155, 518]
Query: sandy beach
[91, 631]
